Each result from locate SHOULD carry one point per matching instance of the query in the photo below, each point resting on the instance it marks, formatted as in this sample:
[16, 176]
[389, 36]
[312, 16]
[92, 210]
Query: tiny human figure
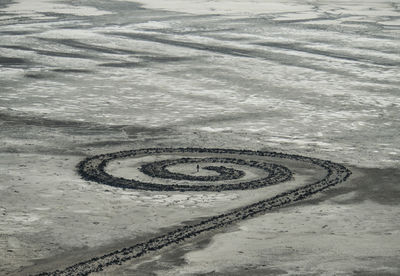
[198, 167]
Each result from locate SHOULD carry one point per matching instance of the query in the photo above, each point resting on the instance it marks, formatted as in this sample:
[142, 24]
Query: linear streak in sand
[93, 169]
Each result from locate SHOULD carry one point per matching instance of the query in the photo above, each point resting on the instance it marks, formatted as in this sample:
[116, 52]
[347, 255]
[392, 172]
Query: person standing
[198, 167]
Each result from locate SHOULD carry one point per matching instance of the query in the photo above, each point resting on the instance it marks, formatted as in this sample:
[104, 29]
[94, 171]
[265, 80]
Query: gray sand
[317, 79]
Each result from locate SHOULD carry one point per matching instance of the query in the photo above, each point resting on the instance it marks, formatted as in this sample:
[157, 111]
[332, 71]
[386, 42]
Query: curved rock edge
[92, 169]
[336, 174]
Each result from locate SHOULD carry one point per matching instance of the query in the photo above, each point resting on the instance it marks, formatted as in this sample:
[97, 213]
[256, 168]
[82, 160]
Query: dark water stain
[364, 272]
[17, 32]
[91, 47]
[378, 185]
[172, 258]
[195, 30]
[296, 21]
[123, 64]
[26, 20]
[36, 76]
[63, 54]
[48, 52]
[62, 16]
[43, 150]
[163, 59]
[280, 58]
[106, 143]
[77, 254]
[386, 262]
[133, 131]
[12, 121]
[146, 61]
[71, 70]
[76, 26]
[330, 54]
[16, 47]
[5, 3]
[186, 44]
[7, 61]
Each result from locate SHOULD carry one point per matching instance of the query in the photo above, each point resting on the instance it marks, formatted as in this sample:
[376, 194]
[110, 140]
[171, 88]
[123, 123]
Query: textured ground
[346, 232]
[83, 78]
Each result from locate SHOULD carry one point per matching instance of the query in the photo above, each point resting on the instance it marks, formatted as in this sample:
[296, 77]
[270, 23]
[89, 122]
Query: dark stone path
[93, 169]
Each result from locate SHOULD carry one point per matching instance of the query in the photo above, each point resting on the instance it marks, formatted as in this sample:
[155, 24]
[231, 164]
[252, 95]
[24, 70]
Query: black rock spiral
[93, 169]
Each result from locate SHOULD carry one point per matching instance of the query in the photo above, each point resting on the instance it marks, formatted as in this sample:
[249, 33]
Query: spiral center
[160, 169]
[227, 169]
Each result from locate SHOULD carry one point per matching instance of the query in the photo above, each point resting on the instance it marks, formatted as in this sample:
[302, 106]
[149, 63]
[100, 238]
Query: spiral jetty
[92, 169]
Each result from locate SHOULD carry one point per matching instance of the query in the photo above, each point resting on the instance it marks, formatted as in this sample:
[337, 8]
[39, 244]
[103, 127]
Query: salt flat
[318, 79]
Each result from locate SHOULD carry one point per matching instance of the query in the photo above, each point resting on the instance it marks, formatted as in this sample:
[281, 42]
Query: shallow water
[318, 78]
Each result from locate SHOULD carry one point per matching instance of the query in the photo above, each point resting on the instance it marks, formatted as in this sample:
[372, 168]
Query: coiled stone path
[94, 169]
